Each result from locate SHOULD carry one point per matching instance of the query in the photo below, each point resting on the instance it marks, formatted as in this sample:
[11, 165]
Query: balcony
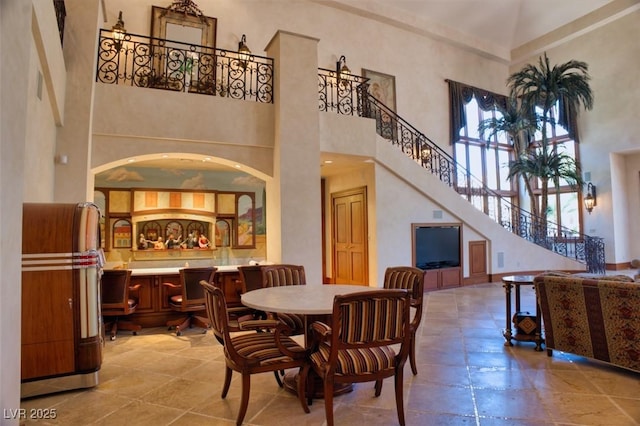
[154, 63]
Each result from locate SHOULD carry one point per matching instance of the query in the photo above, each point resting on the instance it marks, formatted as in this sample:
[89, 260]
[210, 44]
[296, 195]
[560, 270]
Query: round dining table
[315, 302]
[298, 299]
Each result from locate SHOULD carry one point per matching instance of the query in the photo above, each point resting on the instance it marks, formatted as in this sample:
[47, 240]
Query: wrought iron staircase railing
[170, 65]
[349, 95]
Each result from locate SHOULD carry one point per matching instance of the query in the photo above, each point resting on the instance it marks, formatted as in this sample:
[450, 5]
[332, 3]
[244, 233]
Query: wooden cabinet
[435, 279]
[153, 297]
[230, 283]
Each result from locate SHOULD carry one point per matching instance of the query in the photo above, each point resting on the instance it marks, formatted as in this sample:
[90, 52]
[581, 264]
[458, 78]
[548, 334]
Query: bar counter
[153, 297]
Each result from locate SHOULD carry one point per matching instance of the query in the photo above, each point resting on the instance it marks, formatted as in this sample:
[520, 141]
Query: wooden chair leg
[328, 399]
[227, 382]
[244, 401]
[180, 324]
[412, 355]
[378, 387]
[130, 326]
[302, 387]
[200, 322]
[399, 396]
[275, 373]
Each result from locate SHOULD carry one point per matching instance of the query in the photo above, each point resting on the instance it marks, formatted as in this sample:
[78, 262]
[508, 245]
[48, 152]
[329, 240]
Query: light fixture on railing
[590, 198]
[244, 53]
[119, 32]
[342, 70]
[425, 152]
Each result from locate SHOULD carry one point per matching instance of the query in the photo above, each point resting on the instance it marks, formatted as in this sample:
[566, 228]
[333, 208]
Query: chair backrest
[411, 279]
[370, 318]
[192, 291]
[250, 277]
[282, 275]
[114, 292]
[216, 309]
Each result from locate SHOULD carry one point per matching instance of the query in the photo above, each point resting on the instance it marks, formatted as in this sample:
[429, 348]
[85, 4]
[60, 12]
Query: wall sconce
[590, 198]
[342, 68]
[119, 32]
[244, 53]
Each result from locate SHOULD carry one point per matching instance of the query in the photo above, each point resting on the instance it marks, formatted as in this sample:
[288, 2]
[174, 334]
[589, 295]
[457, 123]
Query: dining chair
[284, 275]
[116, 300]
[358, 345]
[411, 279]
[252, 353]
[251, 279]
[191, 298]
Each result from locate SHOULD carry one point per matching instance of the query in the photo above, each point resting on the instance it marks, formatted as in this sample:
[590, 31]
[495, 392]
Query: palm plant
[519, 125]
[543, 86]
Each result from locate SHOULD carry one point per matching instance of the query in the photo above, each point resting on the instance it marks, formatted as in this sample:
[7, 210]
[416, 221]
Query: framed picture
[382, 87]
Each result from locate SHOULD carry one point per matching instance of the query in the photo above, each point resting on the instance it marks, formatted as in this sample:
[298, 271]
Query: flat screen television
[436, 246]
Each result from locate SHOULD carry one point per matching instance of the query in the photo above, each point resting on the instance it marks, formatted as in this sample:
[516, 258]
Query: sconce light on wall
[342, 70]
[590, 198]
[119, 32]
[244, 53]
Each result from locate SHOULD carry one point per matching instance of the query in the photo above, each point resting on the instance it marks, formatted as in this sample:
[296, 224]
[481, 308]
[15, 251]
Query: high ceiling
[494, 26]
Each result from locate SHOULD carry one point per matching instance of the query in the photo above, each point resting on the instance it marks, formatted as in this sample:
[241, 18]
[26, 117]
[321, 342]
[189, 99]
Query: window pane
[472, 119]
[503, 165]
[552, 210]
[569, 217]
[475, 161]
[476, 200]
[492, 172]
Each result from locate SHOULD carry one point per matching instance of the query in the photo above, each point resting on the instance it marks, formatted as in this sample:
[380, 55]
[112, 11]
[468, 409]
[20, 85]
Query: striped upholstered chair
[357, 346]
[252, 353]
[411, 279]
[282, 275]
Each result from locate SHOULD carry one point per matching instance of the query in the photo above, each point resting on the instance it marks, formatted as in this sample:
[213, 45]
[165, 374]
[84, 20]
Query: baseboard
[617, 266]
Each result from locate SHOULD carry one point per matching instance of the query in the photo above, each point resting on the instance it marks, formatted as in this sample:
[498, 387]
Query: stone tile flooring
[466, 376]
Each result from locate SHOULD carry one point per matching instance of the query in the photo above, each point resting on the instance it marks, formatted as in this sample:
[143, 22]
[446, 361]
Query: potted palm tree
[541, 87]
[518, 124]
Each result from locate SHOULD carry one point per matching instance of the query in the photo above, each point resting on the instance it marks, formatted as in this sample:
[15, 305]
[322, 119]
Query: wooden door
[478, 262]
[350, 256]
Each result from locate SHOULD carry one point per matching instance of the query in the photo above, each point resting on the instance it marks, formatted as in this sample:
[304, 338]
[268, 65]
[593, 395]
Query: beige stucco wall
[15, 53]
[613, 55]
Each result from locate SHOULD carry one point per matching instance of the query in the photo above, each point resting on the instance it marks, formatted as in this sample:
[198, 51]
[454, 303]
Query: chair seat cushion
[357, 361]
[262, 346]
[175, 302]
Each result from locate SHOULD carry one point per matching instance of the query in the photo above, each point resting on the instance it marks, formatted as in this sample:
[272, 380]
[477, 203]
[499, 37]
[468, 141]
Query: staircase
[349, 96]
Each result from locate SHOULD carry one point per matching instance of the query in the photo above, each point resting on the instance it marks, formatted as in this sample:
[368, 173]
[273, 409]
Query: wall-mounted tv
[436, 246]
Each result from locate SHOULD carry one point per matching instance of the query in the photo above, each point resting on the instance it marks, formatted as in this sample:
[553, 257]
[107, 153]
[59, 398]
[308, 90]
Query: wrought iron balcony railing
[335, 97]
[170, 65]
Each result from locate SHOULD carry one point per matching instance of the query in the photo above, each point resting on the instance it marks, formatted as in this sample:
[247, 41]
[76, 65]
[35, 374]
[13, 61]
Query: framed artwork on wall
[382, 87]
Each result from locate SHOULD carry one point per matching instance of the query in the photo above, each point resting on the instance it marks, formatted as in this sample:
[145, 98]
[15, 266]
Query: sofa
[594, 317]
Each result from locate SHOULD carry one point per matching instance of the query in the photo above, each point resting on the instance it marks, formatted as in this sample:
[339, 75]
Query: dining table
[315, 302]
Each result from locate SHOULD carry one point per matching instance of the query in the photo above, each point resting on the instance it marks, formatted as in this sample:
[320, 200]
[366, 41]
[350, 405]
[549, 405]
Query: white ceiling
[496, 27]
[509, 23]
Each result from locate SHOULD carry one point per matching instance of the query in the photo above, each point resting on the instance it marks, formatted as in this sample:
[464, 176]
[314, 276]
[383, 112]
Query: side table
[511, 281]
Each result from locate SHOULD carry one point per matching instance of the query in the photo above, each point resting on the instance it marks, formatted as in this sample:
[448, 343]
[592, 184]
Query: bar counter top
[175, 270]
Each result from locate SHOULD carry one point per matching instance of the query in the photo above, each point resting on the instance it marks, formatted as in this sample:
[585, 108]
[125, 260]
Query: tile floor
[466, 376]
